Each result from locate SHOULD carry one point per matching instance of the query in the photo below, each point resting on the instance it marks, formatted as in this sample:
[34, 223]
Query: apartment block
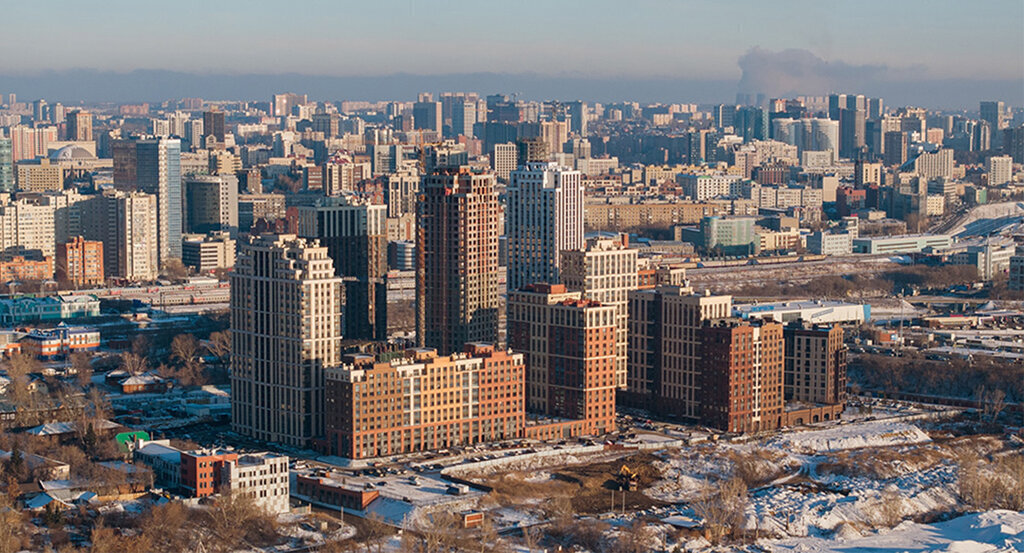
[605, 271]
[741, 370]
[665, 339]
[285, 332]
[815, 366]
[80, 262]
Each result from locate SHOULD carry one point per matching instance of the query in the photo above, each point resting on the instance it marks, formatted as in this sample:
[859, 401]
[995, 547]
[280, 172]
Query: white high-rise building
[544, 216]
[285, 331]
[1000, 170]
[126, 223]
[504, 160]
[606, 271]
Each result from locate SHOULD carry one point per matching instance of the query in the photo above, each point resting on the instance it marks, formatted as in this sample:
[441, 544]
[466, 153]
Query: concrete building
[457, 260]
[1016, 280]
[606, 272]
[728, 235]
[544, 216]
[27, 225]
[664, 371]
[813, 312]
[503, 160]
[830, 243]
[355, 235]
[255, 207]
[815, 368]
[158, 172]
[80, 263]
[423, 401]
[79, 126]
[6, 166]
[741, 370]
[705, 187]
[208, 252]
[285, 332]
[400, 194]
[1000, 170]
[262, 477]
[126, 224]
[901, 244]
[40, 176]
[569, 344]
[211, 204]
[930, 165]
[990, 259]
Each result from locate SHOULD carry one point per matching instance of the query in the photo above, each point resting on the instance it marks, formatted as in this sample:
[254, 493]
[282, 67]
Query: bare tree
[19, 366]
[531, 538]
[82, 364]
[722, 509]
[375, 533]
[636, 538]
[220, 344]
[134, 363]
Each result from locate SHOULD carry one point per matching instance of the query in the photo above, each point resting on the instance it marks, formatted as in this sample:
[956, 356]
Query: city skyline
[699, 52]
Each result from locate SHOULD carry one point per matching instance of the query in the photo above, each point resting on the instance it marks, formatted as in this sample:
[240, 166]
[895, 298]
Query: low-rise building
[60, 341]
[25, 309]
[814, 312]
[209, 252]
[901, 244]
[80, 262]
[829, 243]
[263, 477]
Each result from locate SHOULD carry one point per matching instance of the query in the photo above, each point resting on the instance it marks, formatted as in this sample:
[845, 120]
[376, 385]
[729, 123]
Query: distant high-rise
[282, 104]
[285, 332]
[532, 150]
[213, 124]
[326, 123]
[1000, 170]
[995, 114]
[457, 260]
[463, 118]
[577, 117]
[158, 172]
[544, 216]
[355, 235]
[211, 204]
[851, 132]
[6, 166]
[895, 148]
[1013, 143]
[79, 126]
[126, 223]
[427, 115]
[503, 160]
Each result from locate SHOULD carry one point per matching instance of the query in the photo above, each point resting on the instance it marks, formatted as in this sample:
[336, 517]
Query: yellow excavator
[627, 479]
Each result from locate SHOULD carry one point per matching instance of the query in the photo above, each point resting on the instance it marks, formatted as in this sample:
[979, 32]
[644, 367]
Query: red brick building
[741, 375]
[80, 262]
[21, 269]
[201, 471]
[422, 401]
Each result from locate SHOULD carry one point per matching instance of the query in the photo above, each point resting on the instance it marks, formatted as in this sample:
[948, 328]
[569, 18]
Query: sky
[693, 40]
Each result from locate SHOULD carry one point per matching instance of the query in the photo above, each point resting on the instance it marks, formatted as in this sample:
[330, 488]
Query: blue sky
[598, 38]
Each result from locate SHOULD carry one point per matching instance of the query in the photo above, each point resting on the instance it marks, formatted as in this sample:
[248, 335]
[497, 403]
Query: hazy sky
[597, 38]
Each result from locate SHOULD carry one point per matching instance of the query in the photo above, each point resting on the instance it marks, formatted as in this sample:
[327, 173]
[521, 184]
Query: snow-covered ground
[851, 436]
[988, 532]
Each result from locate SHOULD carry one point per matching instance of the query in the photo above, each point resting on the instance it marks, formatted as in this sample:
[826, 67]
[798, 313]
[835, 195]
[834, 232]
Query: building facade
[80, 262]
[422, 401]
[815, 366]
[457, 260]
[285, 332]
[606, 271]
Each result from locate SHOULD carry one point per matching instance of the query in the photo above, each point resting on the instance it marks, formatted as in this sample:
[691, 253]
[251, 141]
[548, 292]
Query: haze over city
[521, 277]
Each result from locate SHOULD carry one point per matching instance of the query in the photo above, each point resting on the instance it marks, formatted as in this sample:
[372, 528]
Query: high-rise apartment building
[6, 166]
[213, 125]
[282, 104]
[664, 363]
[424, 401]
[427, 116]
[355, 236]
[569, 344]
[126, 224]
[463, 118]
[211, 204]
[741, 367]
[80, 262]
[79, 126]
[852, 132]
[544, 216]
[577, 112]
[457, 260]
[605, 271]
[895, 146]
[503, 160]
[995, 114]
[815, 367]
[285, 332]
[1000, 170]
[930, 165]
[158, 172]
[400, 194]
